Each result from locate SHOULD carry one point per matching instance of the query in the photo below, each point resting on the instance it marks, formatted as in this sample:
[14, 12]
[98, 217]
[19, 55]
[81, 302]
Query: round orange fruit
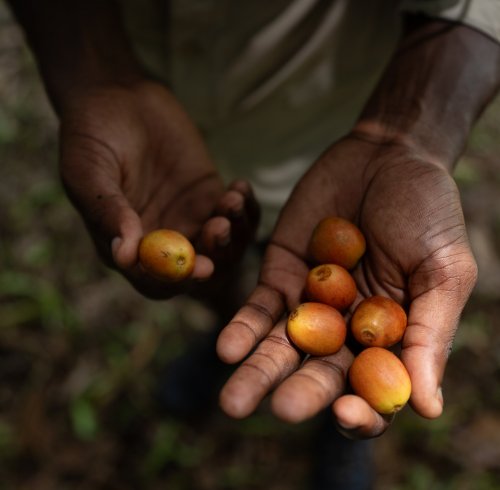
[379, 377]
[378, 322]
[316, 329]
[167, 255]
[331, 284]
[336, 240]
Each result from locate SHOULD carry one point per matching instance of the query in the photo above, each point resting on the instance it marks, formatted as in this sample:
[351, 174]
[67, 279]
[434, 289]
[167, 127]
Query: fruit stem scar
[368, 335]
[181, 260]
[323, 273]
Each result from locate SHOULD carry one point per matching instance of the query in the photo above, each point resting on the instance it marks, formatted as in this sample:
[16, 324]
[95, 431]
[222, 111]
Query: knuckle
[261, 310]
[264, 373]
[240, 324]
[455, 271]
[461, 274]
[334, 369]
[279, 341]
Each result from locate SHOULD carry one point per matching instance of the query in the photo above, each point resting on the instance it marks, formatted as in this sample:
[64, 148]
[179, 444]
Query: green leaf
[83, 419]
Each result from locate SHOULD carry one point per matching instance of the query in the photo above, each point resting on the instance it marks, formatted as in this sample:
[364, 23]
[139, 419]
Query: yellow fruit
[378, 322]
[337, 241]
[167, 255]
[332, 285]
[379, 377]
[316, 329]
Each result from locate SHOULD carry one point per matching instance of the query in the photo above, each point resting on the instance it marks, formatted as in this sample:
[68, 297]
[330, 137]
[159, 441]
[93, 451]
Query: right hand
[132, 161]
[408, 208]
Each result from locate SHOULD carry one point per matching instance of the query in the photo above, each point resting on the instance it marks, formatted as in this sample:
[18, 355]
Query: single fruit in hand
[316, 329]
[379, 377]
[331, 284]
[337, 241]
[378, 322]
[167, 255]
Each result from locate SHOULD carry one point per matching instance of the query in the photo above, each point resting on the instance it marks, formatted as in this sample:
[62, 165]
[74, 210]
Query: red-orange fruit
[316, 329]
[331, 284]
[167, 255]
[379, 377]
[378, 322]
[337, 241]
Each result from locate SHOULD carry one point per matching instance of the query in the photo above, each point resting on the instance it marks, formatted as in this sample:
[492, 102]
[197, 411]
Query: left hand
[417, 253]
[133, 161]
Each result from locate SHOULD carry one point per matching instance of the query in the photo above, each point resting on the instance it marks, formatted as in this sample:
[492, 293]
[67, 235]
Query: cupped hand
[409, 210]
[132, 161]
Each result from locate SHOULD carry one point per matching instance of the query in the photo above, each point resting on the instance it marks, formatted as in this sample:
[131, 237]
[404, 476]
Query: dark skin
[104, 134]
[422, 265]
[392, 176]
[132, 161]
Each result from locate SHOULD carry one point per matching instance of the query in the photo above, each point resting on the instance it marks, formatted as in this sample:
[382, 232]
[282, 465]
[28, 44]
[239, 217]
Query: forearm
[76, 44]
[433, 90]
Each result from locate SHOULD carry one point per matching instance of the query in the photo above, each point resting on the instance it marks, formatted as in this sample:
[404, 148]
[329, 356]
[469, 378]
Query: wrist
[422, 140]
[433, 90]
[77, 45]
[65, 83]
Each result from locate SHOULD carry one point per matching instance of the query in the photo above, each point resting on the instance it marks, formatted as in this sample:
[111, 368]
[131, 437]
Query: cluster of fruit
[317, 327]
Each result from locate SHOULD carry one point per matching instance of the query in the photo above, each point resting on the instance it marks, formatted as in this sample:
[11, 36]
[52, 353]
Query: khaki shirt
[271, 84]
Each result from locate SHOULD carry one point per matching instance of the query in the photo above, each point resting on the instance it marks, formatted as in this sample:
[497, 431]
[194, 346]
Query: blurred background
[81, 352]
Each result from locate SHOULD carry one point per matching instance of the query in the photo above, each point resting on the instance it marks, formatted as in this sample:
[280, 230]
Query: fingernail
[439, 396]
[115, 245]
[224, 241]
[237, 212]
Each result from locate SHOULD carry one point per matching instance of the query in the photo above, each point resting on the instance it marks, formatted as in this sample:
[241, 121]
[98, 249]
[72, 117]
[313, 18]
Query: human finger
[432, 322]
[225, 236]
[357, 420]
[239, 204]
[215, 235]
[114, 225]
[273, 360]
[312, 387]
[251, 323]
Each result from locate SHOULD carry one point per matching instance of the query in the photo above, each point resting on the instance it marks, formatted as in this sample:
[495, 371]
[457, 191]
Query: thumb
[120, 230]
[432, 322]
[113, 224]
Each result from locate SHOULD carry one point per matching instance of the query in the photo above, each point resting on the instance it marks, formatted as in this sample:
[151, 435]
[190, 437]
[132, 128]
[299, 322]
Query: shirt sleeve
[483, 15]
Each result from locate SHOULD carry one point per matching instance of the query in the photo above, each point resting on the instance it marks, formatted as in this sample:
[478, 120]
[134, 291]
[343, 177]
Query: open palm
[409, 211]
